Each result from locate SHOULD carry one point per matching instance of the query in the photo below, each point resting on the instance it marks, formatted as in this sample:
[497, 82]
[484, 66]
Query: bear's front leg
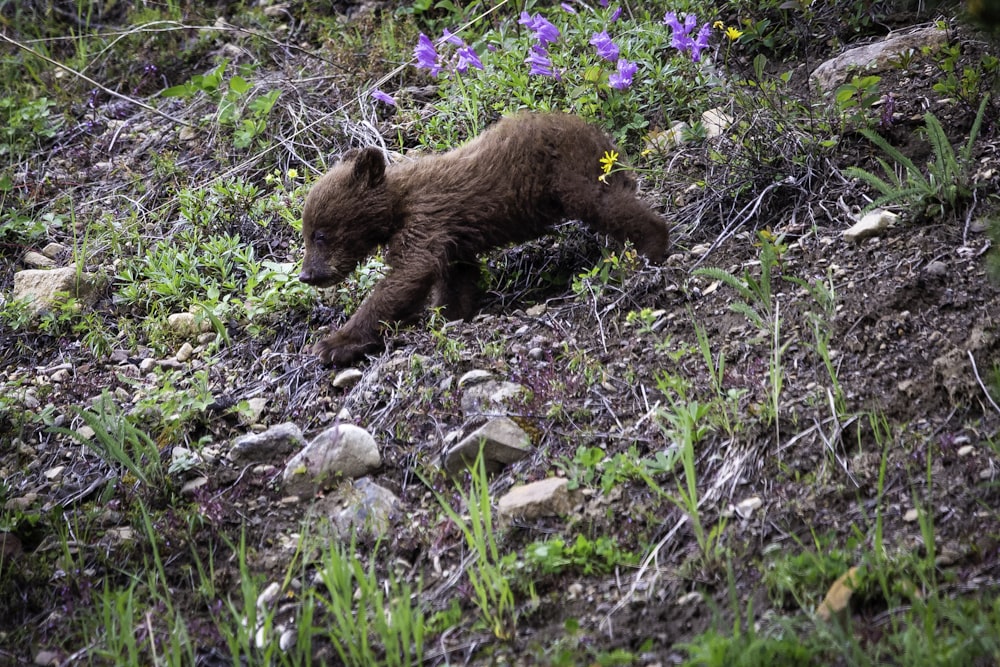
[397, 298]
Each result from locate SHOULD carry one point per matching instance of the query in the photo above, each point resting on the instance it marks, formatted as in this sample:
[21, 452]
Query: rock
[347, 378]
[10, 546]
[185, 352]
[665, 140]
[470, 378]
[875, 57]
[490, 397]
[254, 410]
[187, 133]
[549, 497]
[40, 287]
[503, 442]
[872, 224]
[37, 260]
[537, 310]
[341, 451]
[359, 506]
[46, 658]
[21, 503]
[54, 250]
[937, 268]
[716, 122]
[746, 508]
[911, 515]
[276, 442]
[186, 324]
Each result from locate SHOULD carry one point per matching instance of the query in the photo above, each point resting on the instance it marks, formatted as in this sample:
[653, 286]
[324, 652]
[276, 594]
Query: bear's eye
[319, 237]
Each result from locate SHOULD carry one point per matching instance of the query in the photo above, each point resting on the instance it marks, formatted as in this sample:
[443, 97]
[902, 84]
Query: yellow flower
[293, 173]
[608, 161]
[733, 34]
[718, 25]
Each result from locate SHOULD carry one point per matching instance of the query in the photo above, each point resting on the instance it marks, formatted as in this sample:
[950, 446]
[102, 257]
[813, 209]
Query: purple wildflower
[545, 31]
[680, 37]
[452, 38]
[568, 8]
[615, 14]
[385, 98]
[603, 3]
[622, 79]
[467, 58]
[426, 55]
[701, 42]
[541, 64]
[605, 47]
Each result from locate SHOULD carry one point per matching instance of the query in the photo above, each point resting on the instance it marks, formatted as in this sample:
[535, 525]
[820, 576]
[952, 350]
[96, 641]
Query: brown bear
[434, 215]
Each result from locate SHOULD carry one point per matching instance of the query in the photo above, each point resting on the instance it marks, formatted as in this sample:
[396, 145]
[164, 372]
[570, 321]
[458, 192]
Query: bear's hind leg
[457, 291]
[614, 209]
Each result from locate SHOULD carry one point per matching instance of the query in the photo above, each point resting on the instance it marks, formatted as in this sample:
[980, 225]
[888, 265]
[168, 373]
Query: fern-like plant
[948, 183]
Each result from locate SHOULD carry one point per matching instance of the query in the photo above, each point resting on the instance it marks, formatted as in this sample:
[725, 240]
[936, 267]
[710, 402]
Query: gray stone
[37, 260]
[362, 506]
[503, 442]
[876, 57]
[40, 287]
[276, 442]
[491, 398]
[474, 377]
[342, 451]
[53, 250]
[548, 497]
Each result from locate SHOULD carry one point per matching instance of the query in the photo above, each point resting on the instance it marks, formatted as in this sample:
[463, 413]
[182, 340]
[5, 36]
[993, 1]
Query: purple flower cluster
[608, 50]
[428, 57]
[681, 34]
[545, 33]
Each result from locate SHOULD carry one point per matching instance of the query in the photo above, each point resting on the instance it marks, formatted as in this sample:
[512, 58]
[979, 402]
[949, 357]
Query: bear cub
[434, 215]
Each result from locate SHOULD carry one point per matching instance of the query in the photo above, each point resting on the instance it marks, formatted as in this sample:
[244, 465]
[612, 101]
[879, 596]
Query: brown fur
[434, 216]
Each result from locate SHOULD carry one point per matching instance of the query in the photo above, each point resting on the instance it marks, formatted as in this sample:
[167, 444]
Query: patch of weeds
[948, 184]
[236, 108]
[573, 649]
[25, 125]
[859, 96]
[804, 577]
[363, 606]
[491, 590]
[582, 555]
[117, 441]
[758, 305]
[592, 467]
[972, 83]
[610, 272]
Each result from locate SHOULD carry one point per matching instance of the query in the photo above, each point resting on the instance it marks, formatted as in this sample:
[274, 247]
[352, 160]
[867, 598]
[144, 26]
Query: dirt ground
[914, 345]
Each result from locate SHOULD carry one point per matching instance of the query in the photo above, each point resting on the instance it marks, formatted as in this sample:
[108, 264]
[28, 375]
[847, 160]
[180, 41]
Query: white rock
[746, 508]
[342, 451]
[490, 397]
[472, 377]
[716, 122]
[872, 224]
[347, 378]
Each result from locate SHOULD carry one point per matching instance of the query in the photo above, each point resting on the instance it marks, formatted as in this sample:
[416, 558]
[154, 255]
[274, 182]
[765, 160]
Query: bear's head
[346, 215]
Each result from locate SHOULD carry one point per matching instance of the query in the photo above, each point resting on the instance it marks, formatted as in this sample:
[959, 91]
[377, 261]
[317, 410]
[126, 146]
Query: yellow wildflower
[733, 34]
[293, 173]
[718, 25]
[607, 163]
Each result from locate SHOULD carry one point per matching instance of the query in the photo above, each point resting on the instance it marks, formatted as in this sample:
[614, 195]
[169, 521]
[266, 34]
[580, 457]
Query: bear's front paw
[339, 350]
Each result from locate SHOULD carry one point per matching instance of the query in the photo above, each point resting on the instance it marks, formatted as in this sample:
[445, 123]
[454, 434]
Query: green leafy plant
[946, 187]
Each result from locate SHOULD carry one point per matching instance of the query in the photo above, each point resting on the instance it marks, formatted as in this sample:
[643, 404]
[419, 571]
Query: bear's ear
[369, 165]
